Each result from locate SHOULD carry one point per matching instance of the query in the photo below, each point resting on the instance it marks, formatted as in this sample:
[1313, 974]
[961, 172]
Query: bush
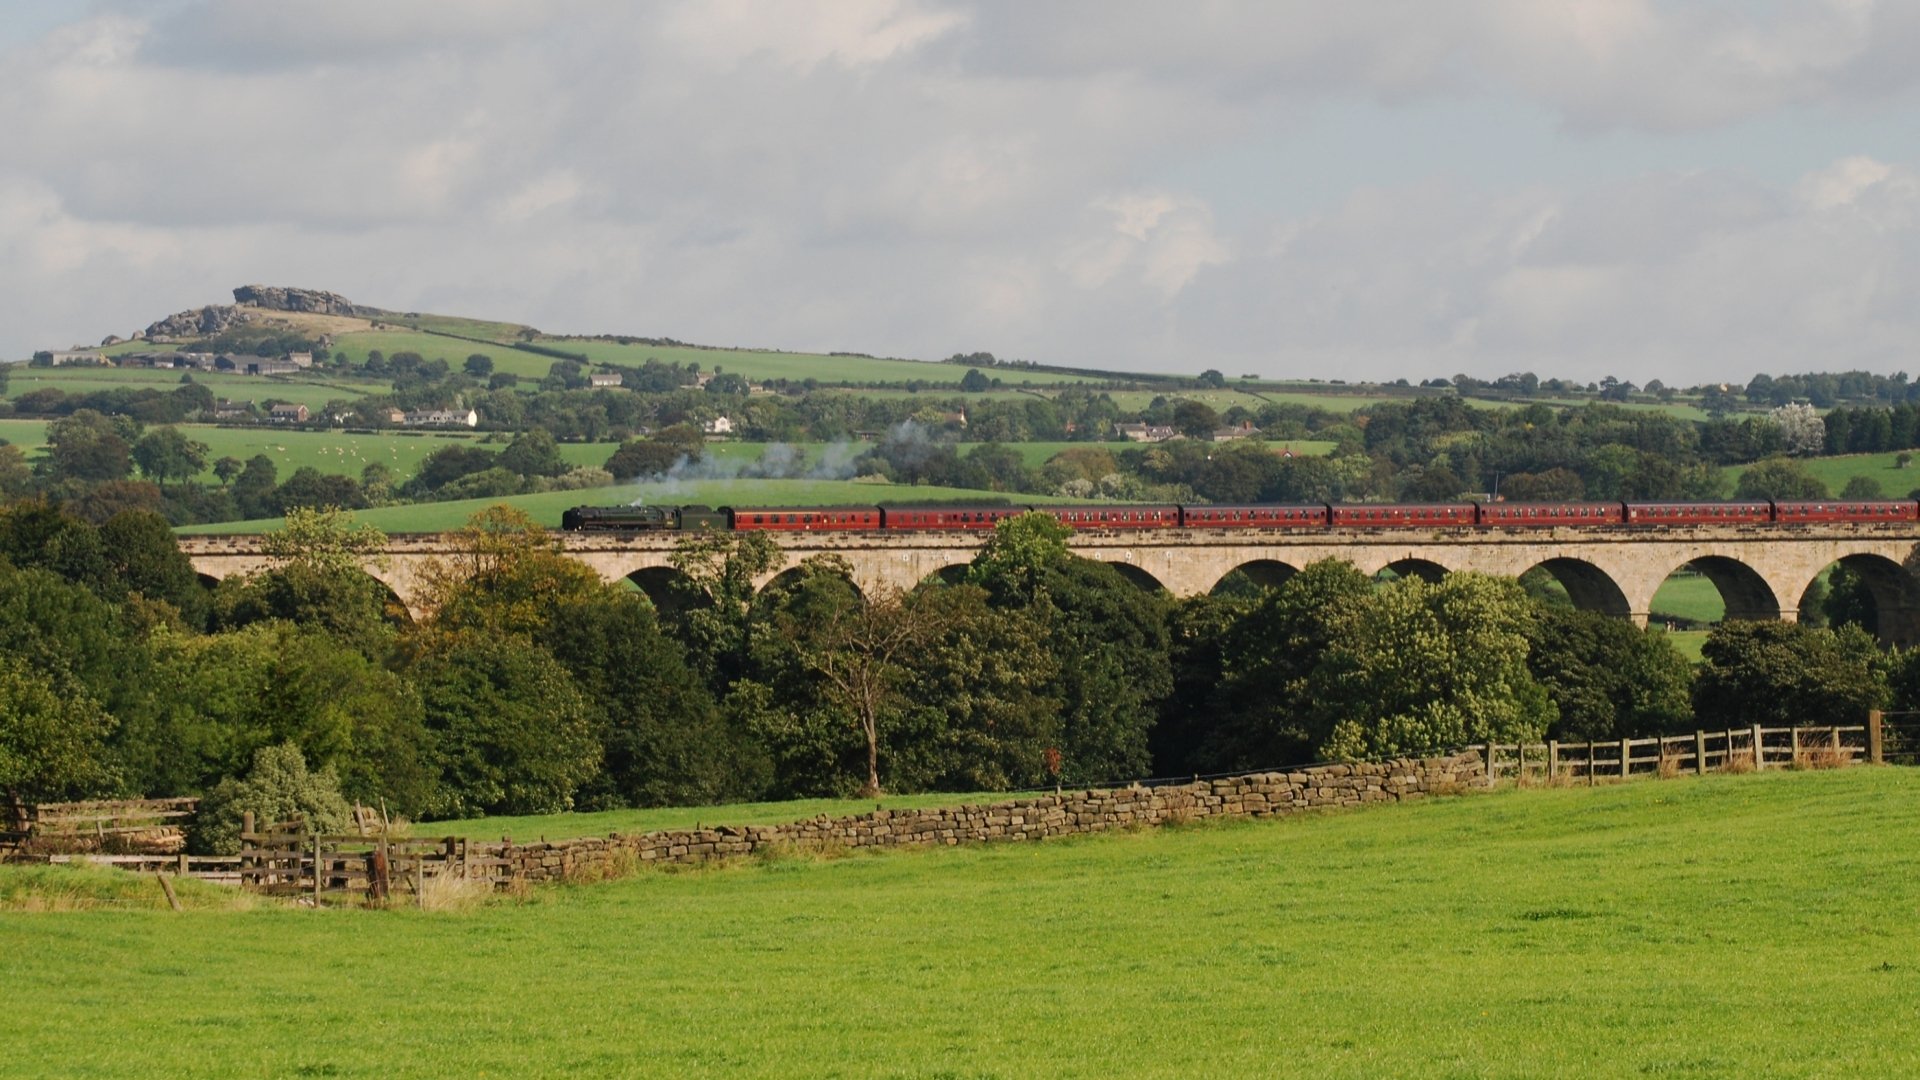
[277, 788]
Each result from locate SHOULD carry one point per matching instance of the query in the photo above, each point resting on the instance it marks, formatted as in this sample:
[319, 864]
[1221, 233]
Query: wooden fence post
[1553, 759]
[316, 870]
[1492, 764]
[1699, 753]
[1875, 746]
[247, 844]
[1759, 749]
[1590, 762]
[1626, 757]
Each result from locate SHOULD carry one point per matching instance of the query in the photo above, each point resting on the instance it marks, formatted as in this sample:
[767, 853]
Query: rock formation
[211, 319]
[275, 298]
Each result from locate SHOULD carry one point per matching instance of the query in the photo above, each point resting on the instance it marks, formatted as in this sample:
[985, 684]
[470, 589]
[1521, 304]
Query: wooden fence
[284, 859]
[219, 869]
[135, 826]
[1753, 748]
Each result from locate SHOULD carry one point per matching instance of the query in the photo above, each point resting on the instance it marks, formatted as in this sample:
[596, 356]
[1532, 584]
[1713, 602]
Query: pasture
[1835, 471]
[755, 364]
[548, 506]
[313, 391]
[1726, 926]
[327, 451]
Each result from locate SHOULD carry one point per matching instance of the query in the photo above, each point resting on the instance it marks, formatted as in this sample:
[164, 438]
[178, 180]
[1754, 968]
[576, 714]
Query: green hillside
[547, 507]
[1835, 471]
[753, 363]
[1717, 927]
[313, 391]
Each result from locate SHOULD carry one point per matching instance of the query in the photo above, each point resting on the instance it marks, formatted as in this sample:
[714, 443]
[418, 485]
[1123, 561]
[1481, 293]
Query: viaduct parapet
[1762, 571]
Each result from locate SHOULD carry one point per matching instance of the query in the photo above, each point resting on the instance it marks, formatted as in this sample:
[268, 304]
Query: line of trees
[528, 685]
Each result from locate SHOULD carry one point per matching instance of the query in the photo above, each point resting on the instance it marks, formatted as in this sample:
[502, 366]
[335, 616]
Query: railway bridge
[1761, 570]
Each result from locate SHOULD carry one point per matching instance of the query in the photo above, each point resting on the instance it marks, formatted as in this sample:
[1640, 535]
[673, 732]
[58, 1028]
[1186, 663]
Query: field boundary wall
[1042, 817]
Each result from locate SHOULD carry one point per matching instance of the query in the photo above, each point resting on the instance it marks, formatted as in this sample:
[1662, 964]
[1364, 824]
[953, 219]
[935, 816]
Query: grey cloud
[914, 177]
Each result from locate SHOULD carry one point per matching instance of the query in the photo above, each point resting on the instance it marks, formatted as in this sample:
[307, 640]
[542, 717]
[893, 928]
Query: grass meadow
[327, 451]
[313, 391]
[1835, 471]
[547, 507]
[1726, 926]
[753, 363]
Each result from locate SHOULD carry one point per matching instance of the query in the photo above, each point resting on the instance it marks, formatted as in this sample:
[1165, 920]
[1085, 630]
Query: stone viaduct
[1762, 571]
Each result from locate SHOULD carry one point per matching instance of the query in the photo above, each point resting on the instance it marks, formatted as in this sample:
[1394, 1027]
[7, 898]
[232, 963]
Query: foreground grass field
[1719, 927]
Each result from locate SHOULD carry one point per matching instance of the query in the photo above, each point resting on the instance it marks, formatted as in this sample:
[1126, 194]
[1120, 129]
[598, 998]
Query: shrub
[277, 788]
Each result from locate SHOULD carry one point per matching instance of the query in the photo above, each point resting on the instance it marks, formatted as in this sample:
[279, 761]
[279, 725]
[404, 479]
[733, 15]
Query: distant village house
[441, 418]
[1147, 432]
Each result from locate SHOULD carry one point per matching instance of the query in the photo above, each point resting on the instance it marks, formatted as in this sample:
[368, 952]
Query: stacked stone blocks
[1035, 818]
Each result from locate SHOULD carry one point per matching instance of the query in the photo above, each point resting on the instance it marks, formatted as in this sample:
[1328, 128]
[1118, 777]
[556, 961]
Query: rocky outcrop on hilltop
[311, 301]
[249, 299]
[201, 322]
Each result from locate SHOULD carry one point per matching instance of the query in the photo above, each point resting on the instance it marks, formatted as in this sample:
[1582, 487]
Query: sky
[1688, 190]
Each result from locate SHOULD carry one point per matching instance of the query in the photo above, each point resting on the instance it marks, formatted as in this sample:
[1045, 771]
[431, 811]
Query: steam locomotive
[1247, 516]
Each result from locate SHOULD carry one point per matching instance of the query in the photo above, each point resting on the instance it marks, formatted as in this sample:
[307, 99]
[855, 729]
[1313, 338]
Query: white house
[443, 418]
[719, 425]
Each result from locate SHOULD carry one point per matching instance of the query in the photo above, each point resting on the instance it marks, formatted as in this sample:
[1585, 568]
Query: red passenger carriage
[1535, 513]
[1708, 513]
[1114, 517]
[1847, 510]
[947, 517]
[1402, 515]
[805, 518]
[1254, 517]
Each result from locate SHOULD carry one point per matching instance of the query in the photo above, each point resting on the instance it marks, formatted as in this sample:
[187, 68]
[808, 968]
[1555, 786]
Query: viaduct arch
[1762, 571]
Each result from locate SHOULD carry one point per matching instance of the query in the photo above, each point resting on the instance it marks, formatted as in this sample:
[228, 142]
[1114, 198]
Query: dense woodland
[531, 686]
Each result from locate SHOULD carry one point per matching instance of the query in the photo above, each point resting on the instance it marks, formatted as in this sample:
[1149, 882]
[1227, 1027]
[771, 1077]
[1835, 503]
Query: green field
[327, 451]
[1714, 927]
[312, 391]
[1678, 409]
[1835, 471]
[1222, 400]
[1691, 596]
[547, 507]
[755, 364]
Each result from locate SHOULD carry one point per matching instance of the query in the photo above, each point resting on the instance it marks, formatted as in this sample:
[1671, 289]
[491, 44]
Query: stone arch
[1745, 593]
[1589, 587]
[792, 573]
[1896, 596]
[207, 581]
[661, 584]
[950, 574]
[1259, 573]
[1138, 576]
[1425, 569]
[397, 608]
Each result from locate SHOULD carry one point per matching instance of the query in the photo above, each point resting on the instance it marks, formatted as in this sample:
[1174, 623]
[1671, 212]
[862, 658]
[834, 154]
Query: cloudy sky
[1685, 189]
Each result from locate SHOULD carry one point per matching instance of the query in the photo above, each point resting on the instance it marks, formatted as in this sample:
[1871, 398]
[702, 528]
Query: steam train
[1248, 516]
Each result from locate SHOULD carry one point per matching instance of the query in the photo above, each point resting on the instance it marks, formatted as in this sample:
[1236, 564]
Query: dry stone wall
[1036, 818]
